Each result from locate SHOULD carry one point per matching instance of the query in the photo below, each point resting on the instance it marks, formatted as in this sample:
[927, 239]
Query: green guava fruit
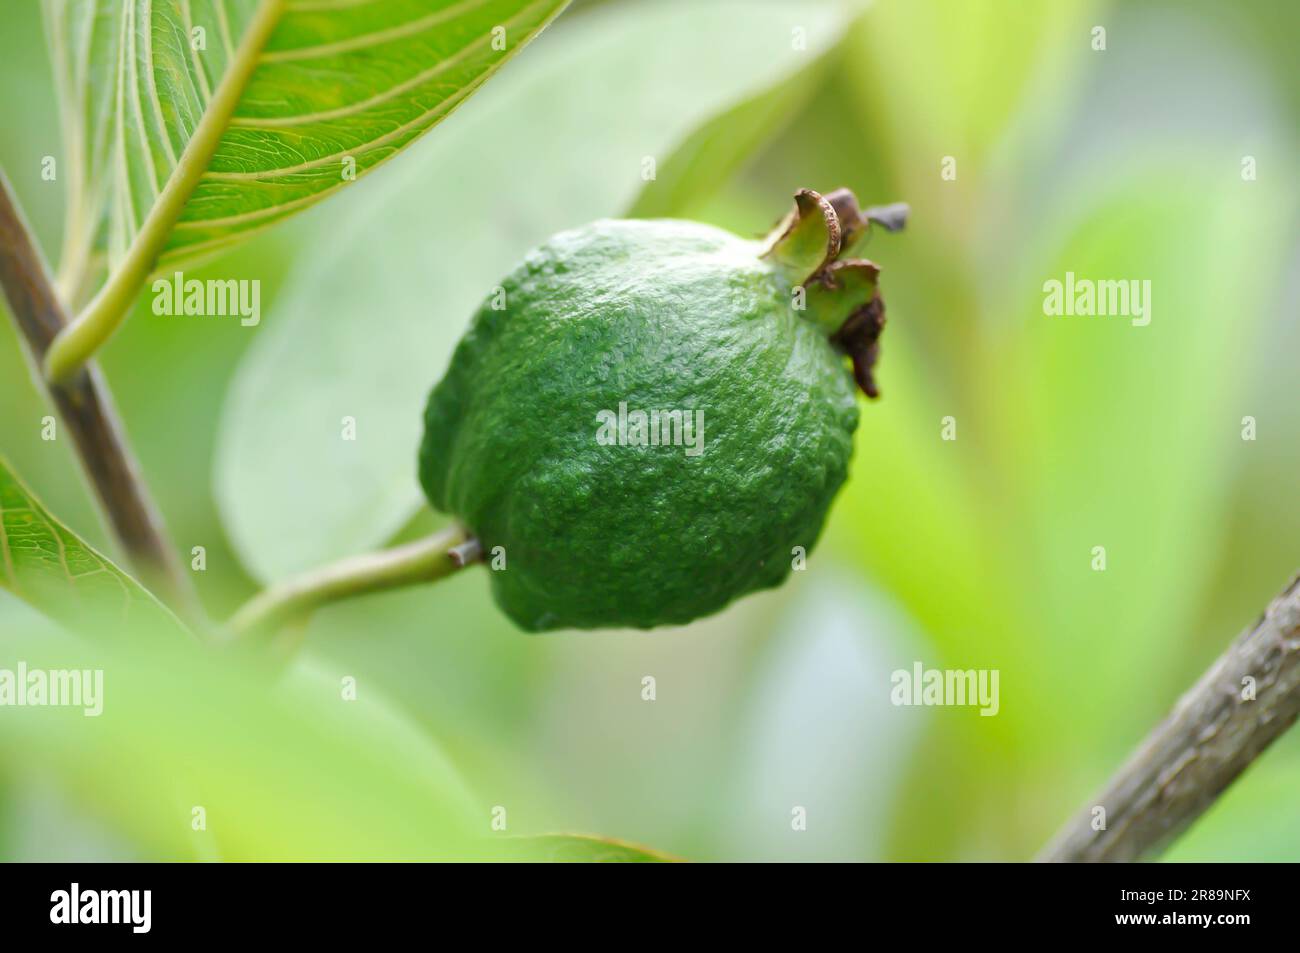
[648, 417]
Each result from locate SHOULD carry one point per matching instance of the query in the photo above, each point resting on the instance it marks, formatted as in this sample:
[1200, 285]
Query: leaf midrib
[77, 342]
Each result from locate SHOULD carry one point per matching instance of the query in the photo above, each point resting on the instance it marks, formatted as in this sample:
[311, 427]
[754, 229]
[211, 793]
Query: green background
[974, 553]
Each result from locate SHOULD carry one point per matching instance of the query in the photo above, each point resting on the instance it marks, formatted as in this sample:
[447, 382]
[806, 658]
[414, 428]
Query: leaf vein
[152, 82]
[205, 91]
[147, 151]
[372, 39]
[281, 122]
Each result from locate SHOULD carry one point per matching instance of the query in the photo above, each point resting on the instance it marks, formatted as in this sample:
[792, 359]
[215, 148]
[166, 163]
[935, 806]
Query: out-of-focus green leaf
[720, 146]
[950, 78]
[194, 756]
[1070, 432]
[48, 566]
[818, 731]
[333, 90]
[581, 849]
[199, 757]
[561, 140]
[1126, 434]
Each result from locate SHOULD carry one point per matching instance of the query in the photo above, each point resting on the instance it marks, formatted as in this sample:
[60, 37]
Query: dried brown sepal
[892, 218]
[852, 222]
[847, 273]
[807, 244]
[860, 339]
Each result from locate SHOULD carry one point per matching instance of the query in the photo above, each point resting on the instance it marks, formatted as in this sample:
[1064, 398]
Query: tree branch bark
[86, 408]
[1249, 697]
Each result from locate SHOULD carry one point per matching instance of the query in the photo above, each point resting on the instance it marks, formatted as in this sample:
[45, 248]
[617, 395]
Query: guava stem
[470, 551]
[87, 411]
[424, 560]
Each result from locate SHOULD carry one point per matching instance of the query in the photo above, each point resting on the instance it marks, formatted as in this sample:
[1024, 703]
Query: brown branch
[87, 410]
[1249, 697]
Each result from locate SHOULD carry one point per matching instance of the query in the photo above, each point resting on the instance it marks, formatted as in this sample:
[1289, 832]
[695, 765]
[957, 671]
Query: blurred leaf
[337, 88]
[819, 730]
[1071, 432]
[720, 146]
[1125, 439]
[282, 771]
[950, 77]
[581, 849]
[1126, 434]
[52, 569]
[366, 325]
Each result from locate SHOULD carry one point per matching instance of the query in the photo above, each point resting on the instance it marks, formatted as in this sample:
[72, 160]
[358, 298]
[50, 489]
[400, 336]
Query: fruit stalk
[424, 560]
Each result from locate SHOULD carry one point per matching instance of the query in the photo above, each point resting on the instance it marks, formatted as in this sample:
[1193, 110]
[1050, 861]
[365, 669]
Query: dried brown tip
[807, 239]
[860, 338]
[808, 244]
[891, 218]
[850, 217]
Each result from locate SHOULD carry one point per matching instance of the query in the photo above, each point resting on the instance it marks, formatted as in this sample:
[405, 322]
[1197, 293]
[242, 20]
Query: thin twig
[1249, 697]
[470, 551]
[87, 410]
[422, 561]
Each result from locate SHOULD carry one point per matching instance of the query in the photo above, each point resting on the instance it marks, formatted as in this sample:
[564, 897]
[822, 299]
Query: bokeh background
[974, 553]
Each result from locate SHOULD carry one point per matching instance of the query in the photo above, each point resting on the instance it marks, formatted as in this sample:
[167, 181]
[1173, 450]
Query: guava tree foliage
[190, 126]
[193, 123]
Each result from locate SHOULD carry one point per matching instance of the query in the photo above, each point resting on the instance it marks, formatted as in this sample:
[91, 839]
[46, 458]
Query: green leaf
[288, 770]
[581, 849]
[1072, 432]
[721, 146]
[282, 102]
[48, 566]
[364, 328]
[956, 79]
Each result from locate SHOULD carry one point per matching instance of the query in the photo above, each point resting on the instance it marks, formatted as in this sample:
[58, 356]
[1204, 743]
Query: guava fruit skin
[658, 315]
